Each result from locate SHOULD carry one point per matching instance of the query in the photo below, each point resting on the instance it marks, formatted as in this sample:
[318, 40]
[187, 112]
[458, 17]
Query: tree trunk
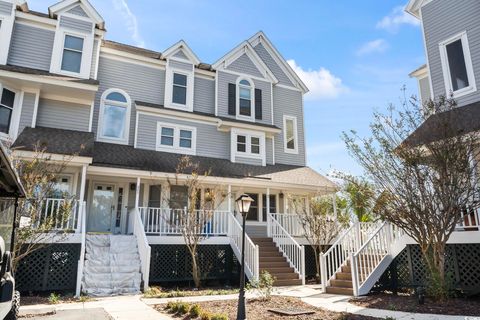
[195, 271]
[437, 286]
[316, 250]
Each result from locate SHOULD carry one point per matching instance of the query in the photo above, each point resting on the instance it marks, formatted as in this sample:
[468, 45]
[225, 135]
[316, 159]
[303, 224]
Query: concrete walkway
[119, 308]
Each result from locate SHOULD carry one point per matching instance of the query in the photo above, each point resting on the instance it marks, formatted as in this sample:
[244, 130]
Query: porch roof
[110, 155]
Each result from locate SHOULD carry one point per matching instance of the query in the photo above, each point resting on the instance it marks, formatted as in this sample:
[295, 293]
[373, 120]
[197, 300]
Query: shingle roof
[121, 156]
[131, 49]
[44, 73]
[460, 120]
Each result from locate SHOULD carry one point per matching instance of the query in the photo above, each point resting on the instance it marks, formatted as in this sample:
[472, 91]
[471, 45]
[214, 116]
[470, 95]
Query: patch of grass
[183, 308]
[84, 298]
[219, 316]
[54, 298]
[157, 292]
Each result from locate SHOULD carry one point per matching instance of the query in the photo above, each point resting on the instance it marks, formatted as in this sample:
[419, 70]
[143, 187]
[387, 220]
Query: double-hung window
[114, 120]
[7, 103]
[72, 54]
[290, 134]
[174, 138]
[179, 90]
[457, 66]
[249, 145]
[245, 98]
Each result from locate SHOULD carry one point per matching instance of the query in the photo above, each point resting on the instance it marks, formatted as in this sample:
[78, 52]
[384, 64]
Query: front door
[102, 216]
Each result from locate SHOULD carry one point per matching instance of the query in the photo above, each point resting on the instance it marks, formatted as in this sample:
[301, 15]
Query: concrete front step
[112, 269]
[340, 290]
[341, 283]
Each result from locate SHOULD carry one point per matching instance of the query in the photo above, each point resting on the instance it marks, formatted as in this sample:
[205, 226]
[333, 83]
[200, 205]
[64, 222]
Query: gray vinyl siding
[76, 24]
[181, 65]
[5, 8]
[140, 82]
[288, 102]
[272, 65]
[204, 95]
[224, 78]
[77, 10]
[27, 111]
[31, 47]
[94, 59]
[269, 150]
[244, 65]
[210, 142]
[255, 162]
[180, 54]
[443, 19]
[424, 89]
[63, 115]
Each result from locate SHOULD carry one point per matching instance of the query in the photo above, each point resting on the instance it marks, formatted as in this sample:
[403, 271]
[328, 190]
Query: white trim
[271, 104]
[31, 19]
[16, 116]
[426, 55]
[248, 145]
[273, 150]
[250, 118]
[35, 109]
[120, 55]
[65, 98]
[6, 30]
[76, 160]
[295, 134]
[128, 105]
[168, 103]
[472, 87]
[216, 93]
[181, 46]
[97, 61]
[58, 49]
[66, 5]
[90, 120]
[135, 139]
[414, 6]
[176, 139]
[16, 112]
[173, 114]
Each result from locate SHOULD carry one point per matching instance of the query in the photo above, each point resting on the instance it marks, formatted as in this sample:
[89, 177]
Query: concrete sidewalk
[119, 308]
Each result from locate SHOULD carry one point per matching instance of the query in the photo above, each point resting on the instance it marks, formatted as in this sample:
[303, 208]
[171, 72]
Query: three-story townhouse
[124, 116]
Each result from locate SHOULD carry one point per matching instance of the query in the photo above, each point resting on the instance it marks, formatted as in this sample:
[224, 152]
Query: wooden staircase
[273, 261]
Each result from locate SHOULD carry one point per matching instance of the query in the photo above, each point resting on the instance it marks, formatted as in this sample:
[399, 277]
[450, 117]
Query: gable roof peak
[66, 5]
[181, 45]
[413, 7]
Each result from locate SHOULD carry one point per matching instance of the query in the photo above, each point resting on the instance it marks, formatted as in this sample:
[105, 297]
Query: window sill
[112, 140]
[245, 118]
[462, 92]
[290, 151]
[179, 107]
[249, 155]
[190, 152]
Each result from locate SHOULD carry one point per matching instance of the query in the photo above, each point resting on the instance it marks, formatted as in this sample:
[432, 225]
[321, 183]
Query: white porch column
[230, 198]
[269, 234]
[137, 193]
[268, 201]
[83, 181]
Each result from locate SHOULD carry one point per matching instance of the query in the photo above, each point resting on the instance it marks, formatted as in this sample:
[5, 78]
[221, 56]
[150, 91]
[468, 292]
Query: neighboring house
[128, 114]
[451, 32]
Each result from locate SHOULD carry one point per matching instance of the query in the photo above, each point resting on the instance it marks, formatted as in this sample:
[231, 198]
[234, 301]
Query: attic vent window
[72, 54]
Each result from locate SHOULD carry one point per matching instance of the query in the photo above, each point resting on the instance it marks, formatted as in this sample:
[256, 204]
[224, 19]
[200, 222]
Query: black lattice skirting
[50, 268]
[408, 269]
[173, 263]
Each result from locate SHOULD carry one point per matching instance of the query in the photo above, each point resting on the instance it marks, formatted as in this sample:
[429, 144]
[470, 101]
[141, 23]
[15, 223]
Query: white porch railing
[370, 261]
[144, 250]
[81, 262]
[252, 258]
[291, 223]
[164, 221]
[469, 220]
[63, 214]
[294, 252]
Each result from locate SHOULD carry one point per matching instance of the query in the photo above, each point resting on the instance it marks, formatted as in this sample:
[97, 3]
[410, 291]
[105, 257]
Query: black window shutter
[232, 97]
[258, 104]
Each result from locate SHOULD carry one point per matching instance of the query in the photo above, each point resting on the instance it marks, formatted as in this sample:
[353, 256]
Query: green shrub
[205, 315]
[195, 311]
[183, 308]
[219, 316]
[264, 285]
[170, 305]
[54, 298]
[174, 307]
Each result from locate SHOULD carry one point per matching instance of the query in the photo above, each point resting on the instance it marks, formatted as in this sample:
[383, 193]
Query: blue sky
[354, 55]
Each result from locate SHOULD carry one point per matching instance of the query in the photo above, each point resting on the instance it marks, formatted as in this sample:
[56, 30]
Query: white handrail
[81, 261]
[52, 208]
[144, 249]
[252, 262]
[369, 256]
[291, 249]
[469, 220]
[291, 223]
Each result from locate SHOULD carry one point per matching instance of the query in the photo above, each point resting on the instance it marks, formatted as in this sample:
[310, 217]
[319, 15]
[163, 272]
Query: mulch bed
[409, 303]
[28, 300]
[257, 309]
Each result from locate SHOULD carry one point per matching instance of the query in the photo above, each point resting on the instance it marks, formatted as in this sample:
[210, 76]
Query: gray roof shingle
[44, 73]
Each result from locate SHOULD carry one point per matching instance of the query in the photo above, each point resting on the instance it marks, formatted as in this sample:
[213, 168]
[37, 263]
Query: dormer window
[245, 98]
[179, 85]
[72, 54]
[114, 118]
[179, 94]
[457, 66]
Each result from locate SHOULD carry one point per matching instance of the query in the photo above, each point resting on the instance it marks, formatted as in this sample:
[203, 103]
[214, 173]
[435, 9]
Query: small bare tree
[39, 174]
[194, 221]
[320, 225]
[424, 186]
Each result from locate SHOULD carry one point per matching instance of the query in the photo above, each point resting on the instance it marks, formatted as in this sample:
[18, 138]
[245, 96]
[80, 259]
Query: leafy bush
[195, 311]
[174, 307]
[183, 308]
[54, 298]
[219, 316]
[170, 305]
[205, 315]
[264, 285]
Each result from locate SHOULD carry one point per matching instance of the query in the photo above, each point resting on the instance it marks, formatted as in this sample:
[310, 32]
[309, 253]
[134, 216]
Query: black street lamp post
[243, 203]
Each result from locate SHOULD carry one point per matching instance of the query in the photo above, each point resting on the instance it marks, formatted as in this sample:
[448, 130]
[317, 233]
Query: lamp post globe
[243, 204]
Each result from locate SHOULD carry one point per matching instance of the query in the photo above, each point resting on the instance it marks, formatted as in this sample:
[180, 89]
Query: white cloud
[321, 83]
[396, 18]
[374, 46]
[130, 20]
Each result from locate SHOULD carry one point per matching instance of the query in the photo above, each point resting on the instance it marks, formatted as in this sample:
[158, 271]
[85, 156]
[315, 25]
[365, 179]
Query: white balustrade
[291, 223]
[291, 249]
[61, 213]
[144, 249]
[469, 220]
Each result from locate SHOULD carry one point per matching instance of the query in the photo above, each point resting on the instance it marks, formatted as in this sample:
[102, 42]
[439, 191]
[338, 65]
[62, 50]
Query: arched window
[114, 118]
[245, 98]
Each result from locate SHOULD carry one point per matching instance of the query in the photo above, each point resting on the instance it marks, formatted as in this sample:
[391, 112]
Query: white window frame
[128, 105]
[16, 112]
[6, 30]
[295, 134]
[252, 100]
[82, 52]
[58, 47]
[168, 102]
[248, 153]
[472, 87]
[176, 139]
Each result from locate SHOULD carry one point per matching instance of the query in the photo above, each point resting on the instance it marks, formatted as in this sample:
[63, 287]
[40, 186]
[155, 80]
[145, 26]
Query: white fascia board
[225, 125]
[413, 7]
[86, 6]
[71, 160]
[260, 37]
[181, 45]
